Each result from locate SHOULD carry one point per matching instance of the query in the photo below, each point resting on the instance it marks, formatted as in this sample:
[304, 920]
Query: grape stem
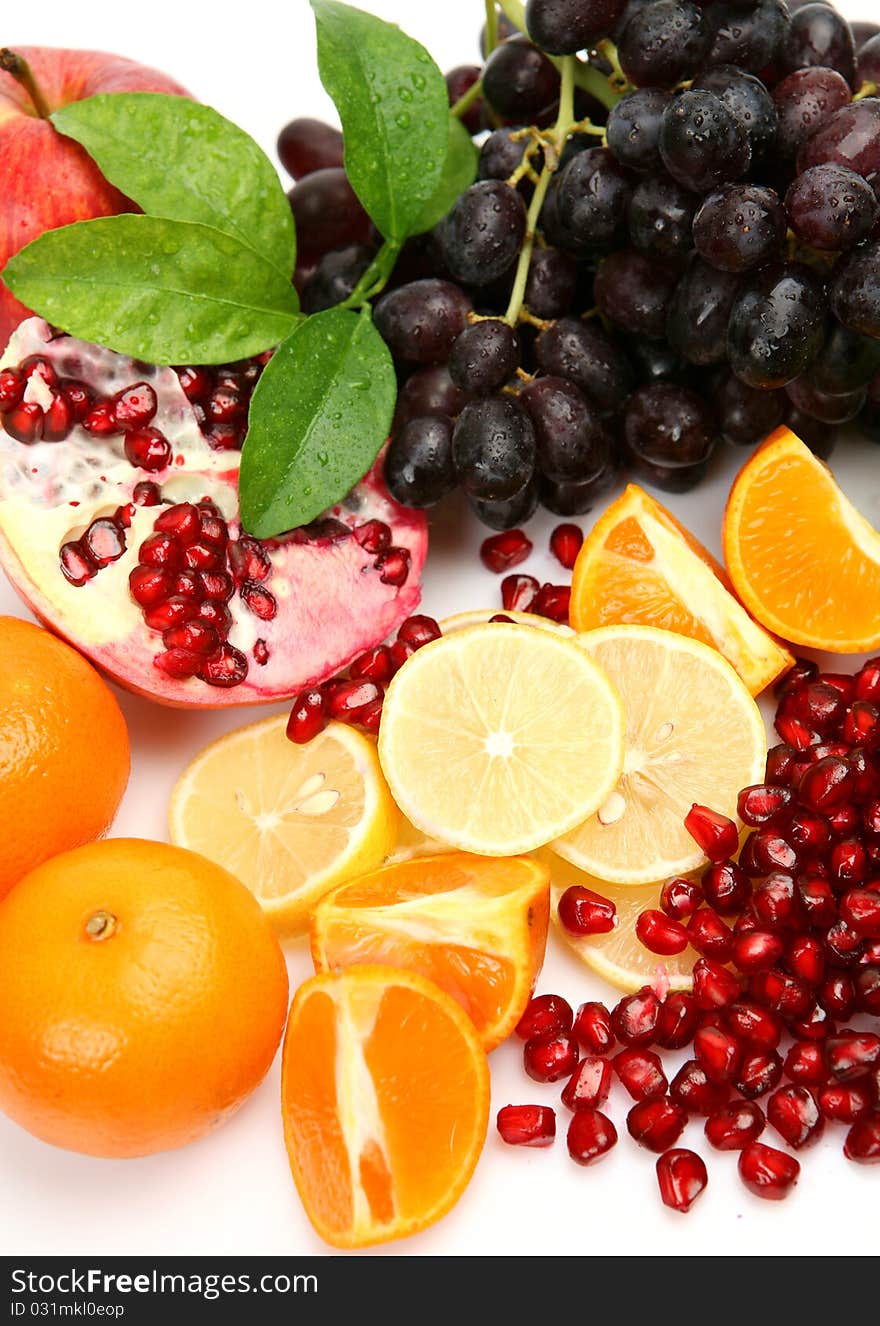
[375, 278]
[866, 90]
[585, 76]
[491, 27]
[467, 99]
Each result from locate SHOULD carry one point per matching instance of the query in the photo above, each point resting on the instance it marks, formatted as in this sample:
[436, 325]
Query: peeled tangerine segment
[289, 821]
[804, 561]
[498, 738]
[639, 566]
[385, 1100]
[475, 925]
[693, 733]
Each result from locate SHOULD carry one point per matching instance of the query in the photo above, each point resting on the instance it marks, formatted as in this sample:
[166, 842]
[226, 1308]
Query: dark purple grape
[493, 448]
[851, 138]
[777, 325]
[633, 129]
[660, 216]
[670, 478]
[459, 81]
[740, 226]
[630, 7]
[855, 290]
[701, 143]
[745, 414]
[418, 463]
[335, 276]
[696, 325]
[818, 404]
[484, 356]
[573, 499]
[748, 101]
[420, 321]
[863, 32]
[551, 283]
[501, 154]
[481, 234]
[519, 82]
[586, 355]
[505, 30]
[429, 391]
[868, 422]
[306, 145]
[749, 39]
[510, 512]
[656, 361]
[327, 213]
[668, 425]
[818, 36]
[831, 208]
[551, 225]
[573, 445]
[634, 291]
[592, 196]
[819, 437]
[804, 101]
[562, 27]
[869, 61]
[663, 43]
[846, 361]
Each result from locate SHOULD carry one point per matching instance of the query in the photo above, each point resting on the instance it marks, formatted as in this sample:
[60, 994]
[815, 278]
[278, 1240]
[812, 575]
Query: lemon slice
[693, 733]
[497, 738]
[619, 957]
[289, 821]
[475, 616]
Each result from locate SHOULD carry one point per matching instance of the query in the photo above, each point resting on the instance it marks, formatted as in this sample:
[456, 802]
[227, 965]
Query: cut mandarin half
[475, 925]
[289, 821]
[693, 733]
[385, 1101]
[801, 557]
[497, 738]
[618, 957]
[638, 565]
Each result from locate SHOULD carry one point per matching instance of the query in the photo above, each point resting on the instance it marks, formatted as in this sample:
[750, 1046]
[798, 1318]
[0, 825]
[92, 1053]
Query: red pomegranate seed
[76, 565]
[25, 422]
[219, 436]
[776, 902]
[393, 566]
[766, 1172]
[843, 821]
[657, 1123]
[641, 1073]
[419, 630]
[781, 993]
[678, 1020]
[692, 1090]
[718, 1053]
[148, 585]
[195, 381]
[758, 951]
[715, 835]
[759, 1073]
[552, 601]
[871, 818]
[805, 958]
[261, 653]
[12, 385]
[805, 1065]
[217, 585]
[770, 852]
[753, 1025]
[161, 550]
[227, 668]
[373, 665]
[583, 912]
[78, 397]
[862, 1143]
[714, 985]
[795, 733]
[589, 1084]
[197, 637]
[202, 556]
[817, 899]
[726, 887]
[867, 985]
[817, 704]
[216, 615]
[502, 617]
[826, 785]
[148, 449]
[761, 803]
[259, 600]
[178, 663]
[135, 407]
[734, 1126]
[862, 726]
[170, 612]
[793, 1112]
[370, 716]
[213, 530]
[58, 420]
[545, 1015]
[591, 1135]
[182, 520]
[248, 560]
[308, 716]
[660, 933]
[549, 1058]
[682, 1177]
[849, 863]
[187, 585]
[634, 1018]
[374, 536]
[860, 908]
[680, 898]
[100, 420]
[838, 996]
[103, 541]
[399, 653]
[526, 1125]
[518, 593]
[225, 405]
[808, 833]
[146, 493]
[814, 1026]
[565, 544]
[844, 1103]
[867, 681]
[36, 366]
[852, 1054]
[592, 1027]
[502, 551]
[842, 945]
[781, 764]
[345, 699]
[708, 934]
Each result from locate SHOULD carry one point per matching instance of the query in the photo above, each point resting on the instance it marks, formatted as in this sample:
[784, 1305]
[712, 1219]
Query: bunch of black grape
[705, 268]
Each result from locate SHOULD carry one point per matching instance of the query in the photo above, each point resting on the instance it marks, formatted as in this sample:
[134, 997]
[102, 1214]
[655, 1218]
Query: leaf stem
[376, 277]
[467, 99]
[18, 67]
[491, 27]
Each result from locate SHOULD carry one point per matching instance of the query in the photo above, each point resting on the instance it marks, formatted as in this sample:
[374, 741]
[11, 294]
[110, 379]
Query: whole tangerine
[142, 1000]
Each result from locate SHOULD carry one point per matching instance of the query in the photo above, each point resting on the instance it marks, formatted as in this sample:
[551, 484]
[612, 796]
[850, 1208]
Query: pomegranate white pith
[330, 599]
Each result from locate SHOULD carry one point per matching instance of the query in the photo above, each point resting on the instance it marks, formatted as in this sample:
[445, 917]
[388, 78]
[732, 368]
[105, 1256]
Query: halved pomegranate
[119, 527]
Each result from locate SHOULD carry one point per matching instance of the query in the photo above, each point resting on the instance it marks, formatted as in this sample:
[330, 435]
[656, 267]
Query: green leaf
[181, 160]
[318, 417]
[169, 292]
[459, 172]
[394, 108]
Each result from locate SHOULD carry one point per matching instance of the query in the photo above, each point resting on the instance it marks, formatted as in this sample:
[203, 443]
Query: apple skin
[52, 180]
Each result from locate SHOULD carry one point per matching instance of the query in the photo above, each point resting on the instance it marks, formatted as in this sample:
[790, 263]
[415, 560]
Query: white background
[232, 1192]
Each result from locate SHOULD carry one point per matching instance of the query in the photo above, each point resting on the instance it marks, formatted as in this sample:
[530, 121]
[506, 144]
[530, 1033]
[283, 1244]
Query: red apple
[50, 180]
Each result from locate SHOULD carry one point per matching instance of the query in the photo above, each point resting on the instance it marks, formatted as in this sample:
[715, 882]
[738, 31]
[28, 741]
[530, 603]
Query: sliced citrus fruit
[289, 821]
[475, 925]
[412, 842]
[475, 616]
[693, 733]
[618, 957]
[385, 1101]
[801, 557]
[639, 565]
[497, 738]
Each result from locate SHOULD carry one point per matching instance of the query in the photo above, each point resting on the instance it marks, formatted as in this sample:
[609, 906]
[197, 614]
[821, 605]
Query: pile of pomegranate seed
[789, 943]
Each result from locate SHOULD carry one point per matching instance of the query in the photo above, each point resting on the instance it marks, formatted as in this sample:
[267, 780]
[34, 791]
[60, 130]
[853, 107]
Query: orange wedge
[475, 925]
[801, 557]
[385, 1101]
[638, 565]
